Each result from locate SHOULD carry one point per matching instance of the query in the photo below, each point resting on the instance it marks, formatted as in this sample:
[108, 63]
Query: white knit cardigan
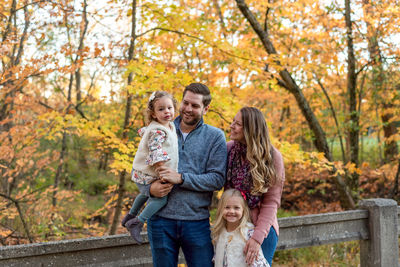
[170, 146]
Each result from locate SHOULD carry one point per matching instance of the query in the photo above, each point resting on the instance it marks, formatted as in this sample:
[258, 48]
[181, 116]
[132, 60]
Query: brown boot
[135, 227]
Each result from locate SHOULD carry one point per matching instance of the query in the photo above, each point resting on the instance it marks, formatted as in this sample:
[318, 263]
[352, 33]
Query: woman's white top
[229, 249]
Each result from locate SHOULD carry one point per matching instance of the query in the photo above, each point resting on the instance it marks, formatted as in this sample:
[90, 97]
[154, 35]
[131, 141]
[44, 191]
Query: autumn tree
[376, 32]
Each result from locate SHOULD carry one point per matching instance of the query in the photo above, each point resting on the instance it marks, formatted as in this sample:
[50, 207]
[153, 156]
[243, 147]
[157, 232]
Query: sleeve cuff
[157, 156]
[183, 179]
[259, 236]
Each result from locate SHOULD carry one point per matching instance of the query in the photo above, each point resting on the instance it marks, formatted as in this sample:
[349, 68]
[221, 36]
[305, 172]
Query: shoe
[135, 227]
[127, 218]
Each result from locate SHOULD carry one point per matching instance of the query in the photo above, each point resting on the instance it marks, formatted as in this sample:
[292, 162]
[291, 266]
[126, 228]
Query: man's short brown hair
[201, 89]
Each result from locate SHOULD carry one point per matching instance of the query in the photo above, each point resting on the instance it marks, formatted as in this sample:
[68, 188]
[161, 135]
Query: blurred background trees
[76, 76]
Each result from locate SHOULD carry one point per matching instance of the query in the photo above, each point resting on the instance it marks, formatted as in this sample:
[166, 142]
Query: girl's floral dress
[156, 154]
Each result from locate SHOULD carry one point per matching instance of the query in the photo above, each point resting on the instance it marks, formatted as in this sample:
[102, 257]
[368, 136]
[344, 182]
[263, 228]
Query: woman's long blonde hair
[259, 150]
[219, 224]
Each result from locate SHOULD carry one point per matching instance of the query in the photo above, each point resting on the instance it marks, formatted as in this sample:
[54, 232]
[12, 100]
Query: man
[184, 221]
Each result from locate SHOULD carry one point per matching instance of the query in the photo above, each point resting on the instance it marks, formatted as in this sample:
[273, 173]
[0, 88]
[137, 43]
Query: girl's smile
[233, 213]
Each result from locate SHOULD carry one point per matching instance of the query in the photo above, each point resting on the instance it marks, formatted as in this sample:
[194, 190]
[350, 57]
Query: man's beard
[193, 121]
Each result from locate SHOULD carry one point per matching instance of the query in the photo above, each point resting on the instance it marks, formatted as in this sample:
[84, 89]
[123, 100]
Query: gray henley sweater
[202, 163]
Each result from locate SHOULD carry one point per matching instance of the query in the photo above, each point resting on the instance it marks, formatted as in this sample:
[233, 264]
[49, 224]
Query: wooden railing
[375, 225]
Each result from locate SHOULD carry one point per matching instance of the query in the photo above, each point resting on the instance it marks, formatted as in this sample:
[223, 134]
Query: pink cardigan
[264, 215]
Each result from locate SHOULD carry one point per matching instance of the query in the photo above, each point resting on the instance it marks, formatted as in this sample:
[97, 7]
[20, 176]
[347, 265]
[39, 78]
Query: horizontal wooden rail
[295, 232]
[320, 229]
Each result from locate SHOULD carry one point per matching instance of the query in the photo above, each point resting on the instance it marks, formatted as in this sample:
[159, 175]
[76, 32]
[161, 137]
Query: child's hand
[251, 250]
[158, 165]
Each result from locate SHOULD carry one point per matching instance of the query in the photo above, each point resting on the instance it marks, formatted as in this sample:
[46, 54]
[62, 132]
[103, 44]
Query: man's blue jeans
[166, 236]
[269, 245]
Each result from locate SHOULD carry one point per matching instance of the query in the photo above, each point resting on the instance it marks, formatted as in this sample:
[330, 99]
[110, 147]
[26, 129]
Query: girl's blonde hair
[219, 224]
[156, 95]
[259, 150]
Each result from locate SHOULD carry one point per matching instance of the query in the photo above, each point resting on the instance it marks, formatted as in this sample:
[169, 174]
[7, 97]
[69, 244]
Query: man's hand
[169, 175]
[251, 250]
[159, 189]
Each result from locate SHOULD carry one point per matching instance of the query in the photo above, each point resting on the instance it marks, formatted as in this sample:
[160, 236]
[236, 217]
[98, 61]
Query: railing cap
[377, 202]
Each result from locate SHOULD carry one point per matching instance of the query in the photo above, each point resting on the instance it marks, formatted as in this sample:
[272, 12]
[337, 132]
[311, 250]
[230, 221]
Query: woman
[256, 169]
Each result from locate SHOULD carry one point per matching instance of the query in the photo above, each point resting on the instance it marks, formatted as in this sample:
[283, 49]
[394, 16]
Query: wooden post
[382, 247]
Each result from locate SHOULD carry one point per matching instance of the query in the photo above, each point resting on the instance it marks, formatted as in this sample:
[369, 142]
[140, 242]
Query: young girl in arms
[231, 231]
[158, 147]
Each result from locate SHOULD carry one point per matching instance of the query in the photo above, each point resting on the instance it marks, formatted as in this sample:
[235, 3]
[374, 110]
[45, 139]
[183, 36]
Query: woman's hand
[251, 250]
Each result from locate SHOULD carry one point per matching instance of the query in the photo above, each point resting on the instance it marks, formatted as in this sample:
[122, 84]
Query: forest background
[76, 76]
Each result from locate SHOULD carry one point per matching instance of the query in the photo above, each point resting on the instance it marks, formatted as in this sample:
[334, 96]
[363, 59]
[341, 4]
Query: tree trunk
[378, 81]
[60, 167]
[391, 148]
[290, 85]
[8, 87]
[121, 187]
[354, 125]
[395, 190]
[83, 29]
[63, 144]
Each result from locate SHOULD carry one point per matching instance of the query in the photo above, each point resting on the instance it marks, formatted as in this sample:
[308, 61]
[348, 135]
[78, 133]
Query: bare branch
[219, 114]
[21, 216]
[334, 116]
[199, 39]
[23, 37]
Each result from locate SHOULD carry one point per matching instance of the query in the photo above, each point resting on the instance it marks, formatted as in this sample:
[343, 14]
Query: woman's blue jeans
[269, 245]
[166, 236]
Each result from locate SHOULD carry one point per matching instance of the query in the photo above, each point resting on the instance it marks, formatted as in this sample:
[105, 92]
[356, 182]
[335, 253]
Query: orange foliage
[176, 43]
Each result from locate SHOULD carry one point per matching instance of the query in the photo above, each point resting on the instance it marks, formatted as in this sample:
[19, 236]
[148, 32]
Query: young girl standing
[158, 147]
[231, 231]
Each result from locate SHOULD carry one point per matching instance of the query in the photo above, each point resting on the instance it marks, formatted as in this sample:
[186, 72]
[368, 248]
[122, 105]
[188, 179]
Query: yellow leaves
[129, 12]
[317, 161]
[365, 164]
[319, 156]
[291, 152]
[219, 193]
[5, 233]
[111, 189]
[351, 168]
[97, 51]
[6, 59]
[121, 162]
[392, 138]
[9, 213]
[339, 168]
[149, 76]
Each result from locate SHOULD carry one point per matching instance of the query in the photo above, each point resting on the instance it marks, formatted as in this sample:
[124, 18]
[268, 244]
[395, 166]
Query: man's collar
[178, 120]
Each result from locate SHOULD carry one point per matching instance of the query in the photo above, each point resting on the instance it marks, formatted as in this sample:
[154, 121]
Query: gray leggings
[153, 205]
